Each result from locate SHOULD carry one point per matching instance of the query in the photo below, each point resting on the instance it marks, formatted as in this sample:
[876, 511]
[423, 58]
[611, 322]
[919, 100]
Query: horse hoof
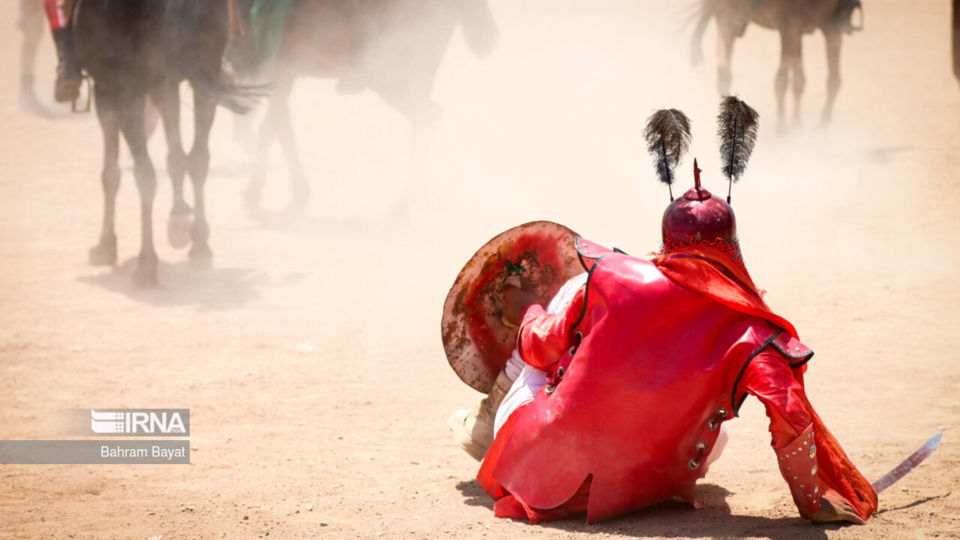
[178, 230]
[201, 257]
[825, 119]
[145, 274]
[696, 58]
[104, 253]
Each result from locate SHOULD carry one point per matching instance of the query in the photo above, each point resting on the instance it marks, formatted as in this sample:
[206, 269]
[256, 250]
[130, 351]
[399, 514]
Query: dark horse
[956, 39]
[792, 19]
[134, 49]
[392, 47]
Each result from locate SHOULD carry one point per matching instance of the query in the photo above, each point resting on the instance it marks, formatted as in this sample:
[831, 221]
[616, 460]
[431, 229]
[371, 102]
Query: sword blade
[908, 464]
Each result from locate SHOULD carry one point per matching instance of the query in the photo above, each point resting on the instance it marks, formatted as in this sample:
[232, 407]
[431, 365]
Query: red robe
[654, 355]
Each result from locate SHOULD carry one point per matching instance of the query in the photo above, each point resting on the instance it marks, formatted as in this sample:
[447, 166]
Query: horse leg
[105, 252]
[799, 77]
[243, 133]
[167, 100]
[725, 41]
[131, 125]
[31, 24]
[268, 130]
[151, 117]
[204, 110]
[424, 115]
[834, 38]
[706, 10]
[956, 39]
[299, 189]
[789, 54]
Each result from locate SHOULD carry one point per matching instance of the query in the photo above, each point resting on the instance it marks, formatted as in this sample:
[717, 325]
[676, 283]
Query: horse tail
[704, 10]
[479, 28]
[195, 38]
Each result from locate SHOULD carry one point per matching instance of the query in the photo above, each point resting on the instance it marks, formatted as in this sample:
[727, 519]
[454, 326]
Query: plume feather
[737, 128]
[668, 138]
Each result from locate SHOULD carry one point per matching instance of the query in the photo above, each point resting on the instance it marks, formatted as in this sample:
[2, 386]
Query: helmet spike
[696, 177]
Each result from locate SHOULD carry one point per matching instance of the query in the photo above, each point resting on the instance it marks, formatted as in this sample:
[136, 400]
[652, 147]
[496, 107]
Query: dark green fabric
[267, 18]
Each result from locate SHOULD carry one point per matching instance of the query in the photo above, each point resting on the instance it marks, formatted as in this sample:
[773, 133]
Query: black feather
[668, 138]
[737, 128]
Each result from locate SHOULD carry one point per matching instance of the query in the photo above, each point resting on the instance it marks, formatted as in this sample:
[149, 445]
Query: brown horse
[956, 39]
[793, 19]
[135, 49]
[391, 47]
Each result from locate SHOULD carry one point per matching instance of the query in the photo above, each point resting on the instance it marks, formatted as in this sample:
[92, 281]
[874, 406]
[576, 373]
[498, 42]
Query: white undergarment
[527, 381]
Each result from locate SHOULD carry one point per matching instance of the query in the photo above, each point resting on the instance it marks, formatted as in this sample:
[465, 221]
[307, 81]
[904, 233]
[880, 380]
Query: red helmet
[698, 217]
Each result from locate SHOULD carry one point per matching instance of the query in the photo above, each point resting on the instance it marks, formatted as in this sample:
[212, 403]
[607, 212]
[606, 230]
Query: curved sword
[908, 464]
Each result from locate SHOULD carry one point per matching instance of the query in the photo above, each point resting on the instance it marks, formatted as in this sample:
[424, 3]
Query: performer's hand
[515, 300]
[833, 508]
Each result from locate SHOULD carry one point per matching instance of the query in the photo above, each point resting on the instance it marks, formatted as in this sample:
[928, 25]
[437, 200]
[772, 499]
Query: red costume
[647, 361]
[651, 356]
[55, 14]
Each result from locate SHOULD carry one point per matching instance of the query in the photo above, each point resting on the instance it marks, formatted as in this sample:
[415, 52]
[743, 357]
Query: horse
[30, 22]
[792, 19]
[956, 39]
[135, 49]
[392, 47]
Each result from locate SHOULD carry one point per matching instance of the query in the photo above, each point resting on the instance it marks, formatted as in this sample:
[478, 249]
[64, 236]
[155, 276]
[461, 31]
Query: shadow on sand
[181, 284]
[677, 519]
[917, 502]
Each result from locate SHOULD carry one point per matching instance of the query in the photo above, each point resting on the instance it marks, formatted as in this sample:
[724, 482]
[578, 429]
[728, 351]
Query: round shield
[540, 257]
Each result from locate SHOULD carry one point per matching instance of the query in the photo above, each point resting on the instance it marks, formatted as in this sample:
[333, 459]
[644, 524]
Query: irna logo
[146, 422]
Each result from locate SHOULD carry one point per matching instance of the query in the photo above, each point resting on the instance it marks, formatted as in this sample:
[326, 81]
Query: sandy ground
[310, 353]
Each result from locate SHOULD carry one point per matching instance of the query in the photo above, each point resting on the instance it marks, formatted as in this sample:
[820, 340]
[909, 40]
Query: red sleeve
[543, 337]
[770, 379]
[810, 458]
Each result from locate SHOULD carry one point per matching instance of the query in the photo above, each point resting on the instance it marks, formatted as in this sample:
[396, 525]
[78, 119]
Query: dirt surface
[310, 354]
